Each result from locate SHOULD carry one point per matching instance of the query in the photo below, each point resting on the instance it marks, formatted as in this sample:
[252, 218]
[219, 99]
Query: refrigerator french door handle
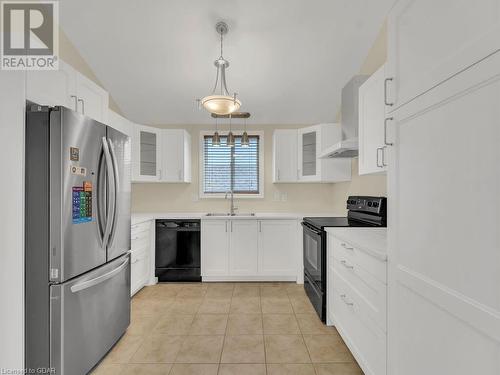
[116, 183]
[100, 231]
[97, 280]
[112, 191]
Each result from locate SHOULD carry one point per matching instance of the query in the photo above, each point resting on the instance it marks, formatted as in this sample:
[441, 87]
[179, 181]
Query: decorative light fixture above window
[220, 101]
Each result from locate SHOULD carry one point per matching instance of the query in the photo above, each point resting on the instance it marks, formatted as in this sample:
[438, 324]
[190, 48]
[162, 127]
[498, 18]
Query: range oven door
[313, 256]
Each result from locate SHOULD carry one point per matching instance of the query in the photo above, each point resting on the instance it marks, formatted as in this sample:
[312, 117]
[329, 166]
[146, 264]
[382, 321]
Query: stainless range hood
[348, 147]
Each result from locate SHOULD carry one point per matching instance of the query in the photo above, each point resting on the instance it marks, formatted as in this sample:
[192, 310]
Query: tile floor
[227, 329]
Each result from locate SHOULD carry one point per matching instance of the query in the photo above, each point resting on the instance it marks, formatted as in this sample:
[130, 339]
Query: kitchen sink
[227, 214]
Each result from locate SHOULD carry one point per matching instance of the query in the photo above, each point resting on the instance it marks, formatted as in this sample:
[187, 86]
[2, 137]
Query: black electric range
[363, 211]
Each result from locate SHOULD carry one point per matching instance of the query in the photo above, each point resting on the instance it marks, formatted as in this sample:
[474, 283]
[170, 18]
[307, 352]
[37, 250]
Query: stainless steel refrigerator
[77, 239]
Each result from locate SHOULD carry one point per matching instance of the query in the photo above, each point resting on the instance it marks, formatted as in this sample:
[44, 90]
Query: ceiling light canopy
[220, 102]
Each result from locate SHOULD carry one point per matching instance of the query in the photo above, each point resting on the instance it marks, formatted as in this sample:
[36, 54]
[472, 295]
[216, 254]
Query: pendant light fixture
[220, 101]
[245, 142]
[216, 137]
[230, 135]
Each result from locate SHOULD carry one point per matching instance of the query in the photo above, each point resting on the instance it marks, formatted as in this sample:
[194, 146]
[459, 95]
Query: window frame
[201, 168]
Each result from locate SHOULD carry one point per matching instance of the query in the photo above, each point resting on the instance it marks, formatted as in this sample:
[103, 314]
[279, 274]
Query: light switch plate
[284, 197]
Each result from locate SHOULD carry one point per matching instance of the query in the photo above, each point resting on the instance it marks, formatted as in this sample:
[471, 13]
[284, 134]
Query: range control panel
[376, 205]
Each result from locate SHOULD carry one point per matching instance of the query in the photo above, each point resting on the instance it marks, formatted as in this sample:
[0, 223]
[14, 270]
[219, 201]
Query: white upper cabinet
[68, 88]
[285, 155]
[161, 155]
[444, 269]
[176, 156]
[93, 100]
[52, 87]
[243, 248]
[430, 41]
[310, 143]
[120, 123]
[146, 153]
[372, 150]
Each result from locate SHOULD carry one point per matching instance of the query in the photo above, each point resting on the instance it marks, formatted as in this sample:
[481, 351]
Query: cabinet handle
[346, 265]
[279, 175]
[83, 105]
[385, 131]
[76, 101]
[378, 164]
[343, 244]
[260, 226]
[231, 223]
[344, 298]
[383, 157]
[385, 92]
[226, 226]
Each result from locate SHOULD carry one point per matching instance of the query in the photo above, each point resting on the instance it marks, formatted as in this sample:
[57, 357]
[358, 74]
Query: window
[235, 167]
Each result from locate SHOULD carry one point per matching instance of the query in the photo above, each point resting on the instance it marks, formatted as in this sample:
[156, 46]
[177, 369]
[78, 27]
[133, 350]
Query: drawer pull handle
[344, 298]
[346, 265]
[346, 247]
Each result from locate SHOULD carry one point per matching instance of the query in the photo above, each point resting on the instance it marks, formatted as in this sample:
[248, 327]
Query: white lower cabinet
[278, 253]
[140, 255]
[243, 256]
[214, 248]
[249, 249]
[357, 302]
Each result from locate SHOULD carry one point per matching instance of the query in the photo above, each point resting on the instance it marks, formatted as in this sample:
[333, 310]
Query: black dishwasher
[177, 249]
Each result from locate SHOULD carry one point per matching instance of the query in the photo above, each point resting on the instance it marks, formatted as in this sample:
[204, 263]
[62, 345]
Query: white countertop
[371, 240]
[145, 216]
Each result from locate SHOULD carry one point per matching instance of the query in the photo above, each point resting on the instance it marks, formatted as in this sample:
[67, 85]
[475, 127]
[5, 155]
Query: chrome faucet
[232, 209]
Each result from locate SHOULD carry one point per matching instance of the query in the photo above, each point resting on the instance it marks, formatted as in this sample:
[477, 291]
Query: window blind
[226, 167]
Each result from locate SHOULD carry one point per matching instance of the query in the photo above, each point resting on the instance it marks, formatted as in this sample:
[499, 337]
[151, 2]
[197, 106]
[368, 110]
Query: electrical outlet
[284, 197]
[277, 196]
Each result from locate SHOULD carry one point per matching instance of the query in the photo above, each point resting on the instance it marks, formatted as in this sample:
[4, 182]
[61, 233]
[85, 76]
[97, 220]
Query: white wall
[12, 99]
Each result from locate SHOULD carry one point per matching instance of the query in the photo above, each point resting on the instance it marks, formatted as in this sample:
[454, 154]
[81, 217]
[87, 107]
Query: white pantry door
[444, 229]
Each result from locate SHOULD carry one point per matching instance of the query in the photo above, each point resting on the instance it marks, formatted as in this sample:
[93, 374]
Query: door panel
[120, 148]
[430, 41]
[215, 248]
[89, 314]
[278, 250]
[371, 124]
[443, 240]
[243, 253]
[75, 239]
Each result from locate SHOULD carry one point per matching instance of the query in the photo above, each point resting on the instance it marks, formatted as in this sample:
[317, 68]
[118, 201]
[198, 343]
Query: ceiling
[289, 58]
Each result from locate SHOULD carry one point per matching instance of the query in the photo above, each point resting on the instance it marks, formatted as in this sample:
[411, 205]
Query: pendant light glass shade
[216, 139]
[220, 101]
[245, 142]
[230, 139]
[220, 104]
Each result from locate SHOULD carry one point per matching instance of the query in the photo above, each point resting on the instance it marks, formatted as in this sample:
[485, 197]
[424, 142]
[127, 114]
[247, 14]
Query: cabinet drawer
[365, 339]
[372, 292]
[342, 250]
